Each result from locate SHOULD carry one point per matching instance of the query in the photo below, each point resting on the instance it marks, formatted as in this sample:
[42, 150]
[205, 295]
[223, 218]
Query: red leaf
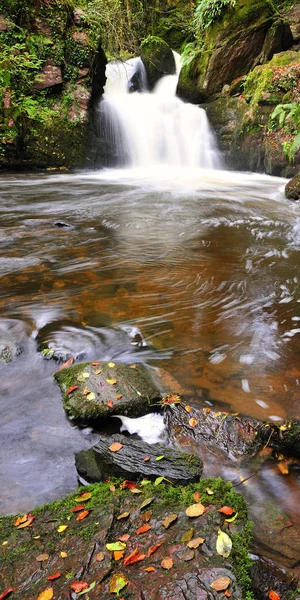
[55, 576]
[95, 363]
[72, 388]
[273, 595]
[66, 364]
[133, 557]
[6, 593]
[110, 404]
[79, 586]
[82, 515]
[128, 484]
[143, 529]
[154, 548]
[226, 510]
[77, 508]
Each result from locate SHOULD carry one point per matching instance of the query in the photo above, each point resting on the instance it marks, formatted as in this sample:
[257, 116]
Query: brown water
[203, 264]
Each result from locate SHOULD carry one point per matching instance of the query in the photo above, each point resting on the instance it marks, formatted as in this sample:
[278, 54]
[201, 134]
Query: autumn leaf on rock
[55, 576]
[116, 546]
[143, 529]
[224, 544]
[95, 363]
[187, 408]
[226, 510]
[197, 496]
[100, 556]
[167, 563]
[79, 586]
[193, 422]
[111, 381]
[63, 554]
[118, 554]
[134, 557]
[117, 583]
[110, 404]
[84, 496]
[220, 584]
[86, 390]
[124, 538]
[91, 396]
[25, 521]
[149, 569]
[196, 542]
[7, 593]
[83, 515]
[66, 364]
[187, 536]
[72, 388]
[62, 528]
[154, 548]
[273, 595]
[115, 447]
[169, 520]
[77, 508]
[119, 396]
[124, 515]
[146, 516]
[195, 510]
[160, 457]
[111, 364]
[147, 458]
[46, 594]
[42, 557]
[146, 502]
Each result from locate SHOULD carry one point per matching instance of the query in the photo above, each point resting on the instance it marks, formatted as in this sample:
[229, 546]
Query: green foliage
[288, 115]
[208, 11]
[190, 52]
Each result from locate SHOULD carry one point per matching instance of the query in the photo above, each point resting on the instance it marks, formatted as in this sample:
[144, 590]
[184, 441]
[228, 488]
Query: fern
[209, 11]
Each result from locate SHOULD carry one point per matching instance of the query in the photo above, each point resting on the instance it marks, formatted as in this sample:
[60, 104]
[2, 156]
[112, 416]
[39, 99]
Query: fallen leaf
[147, 458]
[47, 594]
[24, 521]
[145, 482]
[55, 576]
[187, 536]
[95, 363]
[188, 555]
[88, 589]
[42, 557]
[111, 381]
[116, 546]
[115, 447]
[143, 529]
[127, 484]
[111, 364]
[112, 488]
[146, 502]
[195, 510]
[72, 388]
[124, 538]
[196, 542]
[134, 557]
[209, 492]
[62, 528]
[135, 490]
[160, 457]
[86, 390]
[232, 518]
[66, 364]
[85, 375]
[100, 556]
[132, 367]
[187, 408]
[91, 396]
[224, 544]
[220, 584]
[226, 510]
[167, 563]
[97, 372]
[197, 496]
[79, 586]
[118, 554]
[169, 520]
[146, 516]
[6, 593]
[124, 515]
[283, 467]
[20, 520]
[119, 396]
[149, 569]
[154, 548]
[63, 554]
[83, 515]
[84, 496]
[227, 594]
[273, 595]
[110, 404]
[158, 480]
[193, 422]
[77, 508]
[117, 583]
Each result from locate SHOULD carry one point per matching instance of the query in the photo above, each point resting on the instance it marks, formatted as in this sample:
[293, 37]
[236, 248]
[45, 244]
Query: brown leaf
[154, 548]
[115, 447]
[100, 556]
[195, 510]
[169, 520]
[187, 408]
[119, 396]
[47, 594]
[143, 529]
[220, 584]
[117, 583]
[195, 542]
[124, 538]
[66, 364]
[146, 516]
[124, 515]
[42, 557]
[134, 557]
[83, 515]
[167, 563]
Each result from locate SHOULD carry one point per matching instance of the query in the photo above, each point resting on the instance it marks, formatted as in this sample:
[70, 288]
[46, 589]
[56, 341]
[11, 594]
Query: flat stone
[99, 462]
[50, 76]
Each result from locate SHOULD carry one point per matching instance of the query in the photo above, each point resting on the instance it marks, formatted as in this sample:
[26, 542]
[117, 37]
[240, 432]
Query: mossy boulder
[245, 34]
[292, 188]
[158, 59]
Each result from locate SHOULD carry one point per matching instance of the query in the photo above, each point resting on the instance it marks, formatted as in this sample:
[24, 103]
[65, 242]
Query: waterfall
[143, 129]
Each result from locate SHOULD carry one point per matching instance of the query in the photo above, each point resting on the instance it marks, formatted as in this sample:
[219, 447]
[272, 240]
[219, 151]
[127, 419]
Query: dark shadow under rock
[100, 462]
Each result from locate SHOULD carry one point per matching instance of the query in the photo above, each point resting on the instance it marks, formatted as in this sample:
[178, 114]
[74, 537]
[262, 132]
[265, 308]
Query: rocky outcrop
[292, 188]
[158, 59]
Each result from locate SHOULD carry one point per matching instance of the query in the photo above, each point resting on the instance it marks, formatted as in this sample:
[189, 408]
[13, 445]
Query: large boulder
[247, 33]
[158, 59]
[292, 188]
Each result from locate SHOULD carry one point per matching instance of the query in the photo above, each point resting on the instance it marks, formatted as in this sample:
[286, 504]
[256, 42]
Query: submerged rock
[158, 59]
[99, 462]
[292, 188]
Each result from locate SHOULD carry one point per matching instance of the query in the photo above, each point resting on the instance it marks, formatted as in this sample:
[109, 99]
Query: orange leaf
[133, 557]
[197, 496]
[66, 364]
[167, 563]
[187, 408]
[127, 484]
[100, 556]
[154, 548]
[119, 396]
[227, 594]
[110, 404]
[115, 447]
[72, 388]
[118, 554]
[79, 586]
[95, 363]
[83, 497]
[24, 521]
[226, 510]
[220, 584]
[112, 488]
[20, 520]
[143, 529]
[124, 538]
[147, 458]
[6, 593]
[273, 595]
[124, 515]
[77, 508]
[55, 576]
[193, 422]
[46, 594]
[149, 569]
[82, 515]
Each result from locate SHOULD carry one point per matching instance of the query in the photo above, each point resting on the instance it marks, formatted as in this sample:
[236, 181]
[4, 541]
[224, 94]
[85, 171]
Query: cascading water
[143, 129]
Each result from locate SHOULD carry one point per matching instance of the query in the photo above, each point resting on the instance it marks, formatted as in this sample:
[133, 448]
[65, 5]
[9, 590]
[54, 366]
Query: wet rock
[292, 188]
[100, 462]
[50, 76]
[13, 339]
[266, 576]
[158, 59]
[106, 389]
[62, 224]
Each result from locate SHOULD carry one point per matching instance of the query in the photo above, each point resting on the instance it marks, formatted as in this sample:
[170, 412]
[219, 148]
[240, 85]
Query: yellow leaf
[195, 510]
[209, 492]
[187, 408]
[83, 497]
[169, 520]
[4, 543]
[91, 396]
[86, 390]
[193, 422]
[46, 594]
[62, 528]
[63, 554]
[224, 544]
[85, 375]
[167, 563]
[132, 367]
[98, 372]
[111, 381]
[111, 364]
[195, 542]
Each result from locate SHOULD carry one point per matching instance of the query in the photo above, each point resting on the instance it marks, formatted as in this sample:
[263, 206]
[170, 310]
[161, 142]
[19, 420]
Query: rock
[266, 576]
[79, 17]
[231, 47]
[105, 390]
[158, 59]
[13, 339]
[50, 76]
[292, 188]
[293, 17]
[99, 462]
[5, 24]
